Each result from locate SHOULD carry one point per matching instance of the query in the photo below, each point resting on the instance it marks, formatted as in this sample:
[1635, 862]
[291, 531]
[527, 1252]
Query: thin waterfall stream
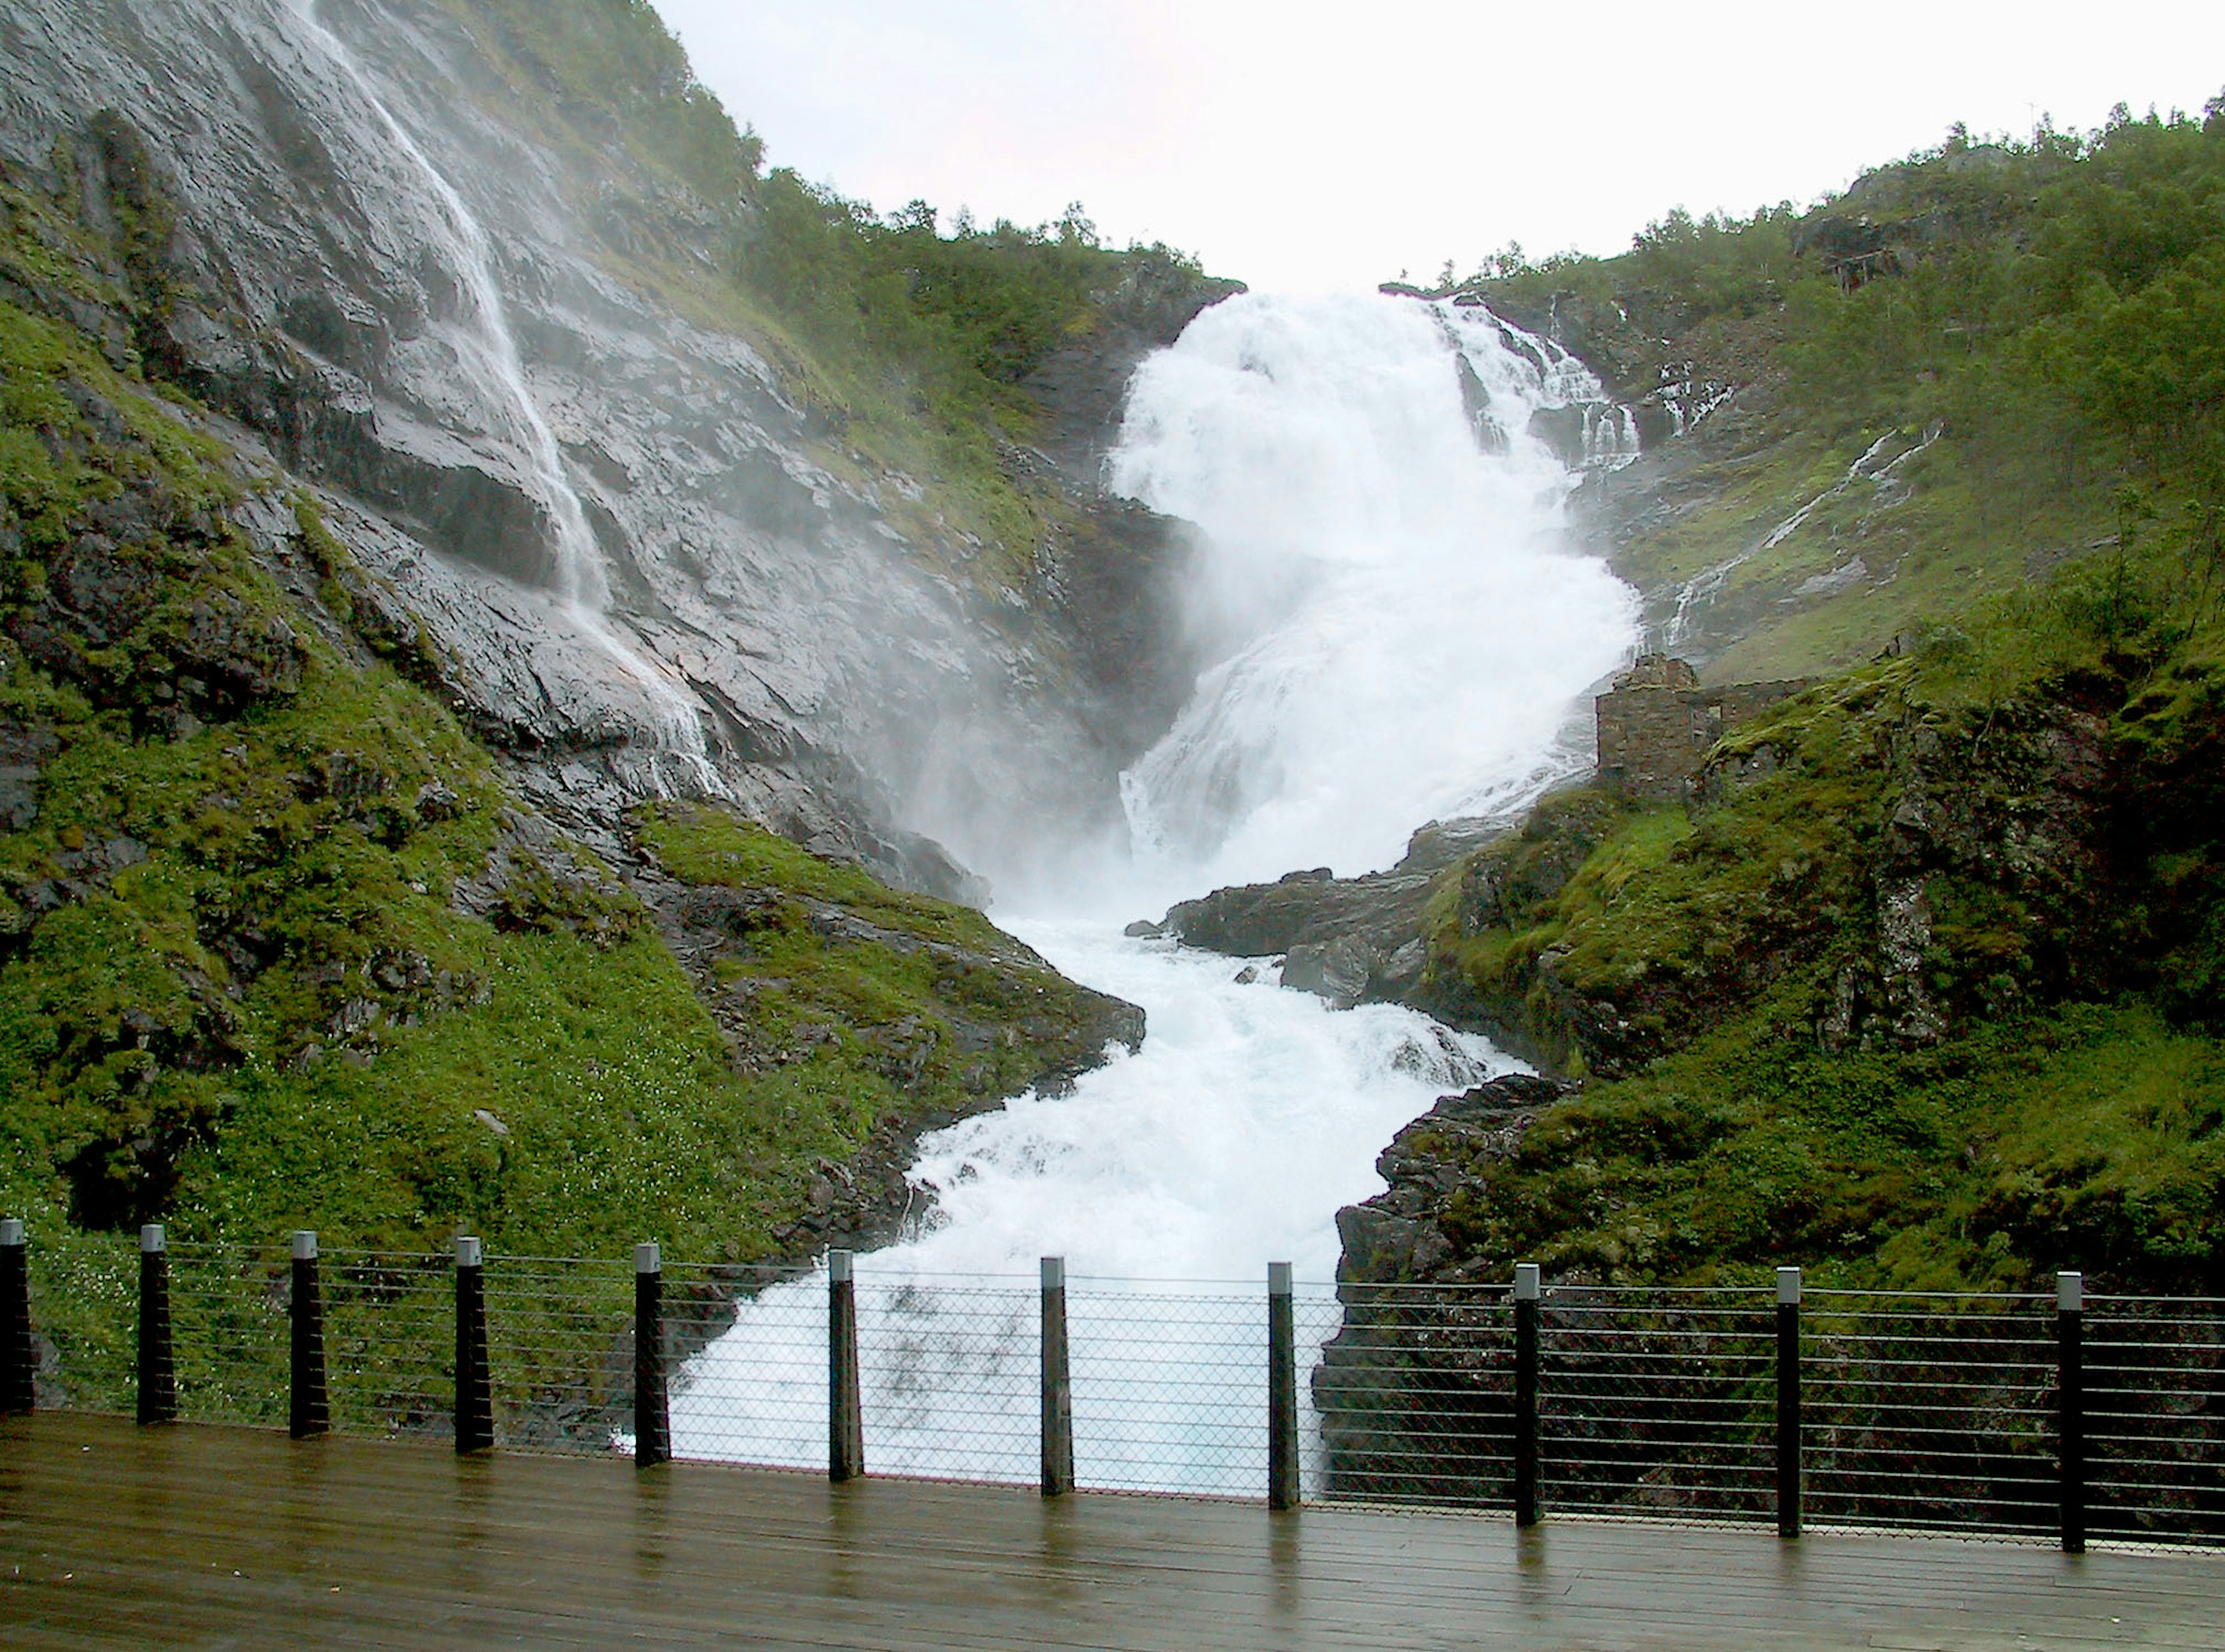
[1406, 637]
[486, 349]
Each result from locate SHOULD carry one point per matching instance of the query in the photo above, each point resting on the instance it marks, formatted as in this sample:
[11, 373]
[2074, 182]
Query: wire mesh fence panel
[949, 1372]
[1317, 1319]
[559, 1352]
[84, 1308]
[1169, 1387]
[748, 1382]
[229, 1307]
[1930, 1411]
[2155, 1419]
[390, 1342]
[1415, 1394]
[1657, 1403]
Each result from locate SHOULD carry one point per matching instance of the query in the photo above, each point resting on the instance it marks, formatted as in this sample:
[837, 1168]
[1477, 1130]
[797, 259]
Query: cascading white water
[484, 348]
[1250, 1115]
[1409, 641]
[1410, 630]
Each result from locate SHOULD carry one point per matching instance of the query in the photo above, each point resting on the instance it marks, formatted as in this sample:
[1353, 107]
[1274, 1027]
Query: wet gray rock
[1336, 971]
[1349, 939]
[1395, 1238]
[24, 750]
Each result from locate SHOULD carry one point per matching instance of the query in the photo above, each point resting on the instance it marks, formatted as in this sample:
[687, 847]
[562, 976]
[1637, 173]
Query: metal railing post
[308, 1408]
[19, 1365]
[1283, 1491]
[1788, 1402]
[474, 1387]
[158, 1372]
[2070, 1406]
[1526, 1294]
[652, 1405]
[1057, 1385]
[845, 1425]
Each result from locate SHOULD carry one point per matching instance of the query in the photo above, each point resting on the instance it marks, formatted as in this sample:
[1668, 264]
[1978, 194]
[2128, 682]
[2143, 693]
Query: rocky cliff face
[643, 560]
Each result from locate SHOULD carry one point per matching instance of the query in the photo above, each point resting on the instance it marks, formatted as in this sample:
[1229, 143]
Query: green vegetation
[853, 994]
[1926, 990]
[233, 988]
[2050, 314]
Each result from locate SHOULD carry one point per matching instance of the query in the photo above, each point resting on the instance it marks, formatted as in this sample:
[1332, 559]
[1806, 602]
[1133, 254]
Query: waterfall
[1382, 559]
[486, 349]
[1405, 636]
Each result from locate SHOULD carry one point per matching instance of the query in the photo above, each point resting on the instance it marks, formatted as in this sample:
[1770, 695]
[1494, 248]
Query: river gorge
[568, 684]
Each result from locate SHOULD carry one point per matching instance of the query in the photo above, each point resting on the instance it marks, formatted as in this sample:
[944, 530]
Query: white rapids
[1382, 532]
[1405, 636]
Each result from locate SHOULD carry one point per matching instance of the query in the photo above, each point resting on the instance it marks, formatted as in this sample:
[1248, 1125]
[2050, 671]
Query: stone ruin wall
[1659, 723]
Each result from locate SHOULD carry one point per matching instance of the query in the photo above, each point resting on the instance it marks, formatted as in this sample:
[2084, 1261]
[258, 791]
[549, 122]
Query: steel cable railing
[1169, 1388]
[2006, 1416]
[2155, 1413]
[759, 1394]
[389, 1336]
[1931, 1411]
[84, 1291]
[1657, 1403]
[1415, 1391]
[228, 1305]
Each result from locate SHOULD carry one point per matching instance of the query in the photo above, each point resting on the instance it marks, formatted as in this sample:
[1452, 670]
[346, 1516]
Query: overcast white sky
[1304, 147]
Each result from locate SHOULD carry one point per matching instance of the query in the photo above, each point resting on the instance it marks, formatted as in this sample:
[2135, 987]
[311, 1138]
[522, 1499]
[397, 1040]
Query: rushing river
[1403, 634]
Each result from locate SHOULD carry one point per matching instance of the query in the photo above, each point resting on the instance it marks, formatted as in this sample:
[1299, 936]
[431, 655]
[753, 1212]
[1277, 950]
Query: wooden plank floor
[115, 1536]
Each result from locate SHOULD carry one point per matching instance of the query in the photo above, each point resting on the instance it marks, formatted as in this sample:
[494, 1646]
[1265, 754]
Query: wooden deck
[115, 1536]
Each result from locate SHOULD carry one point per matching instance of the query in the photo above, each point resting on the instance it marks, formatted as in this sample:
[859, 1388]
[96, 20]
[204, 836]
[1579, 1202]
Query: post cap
[468, 1252]
[305, 1244]
[1054, 1273]
[11, 1230]
[150, 1239]
[1278, 1279]
[648, 1258]
[2070, 1292]
[1788, 1288]
[1525, 1282]
[838, 1266]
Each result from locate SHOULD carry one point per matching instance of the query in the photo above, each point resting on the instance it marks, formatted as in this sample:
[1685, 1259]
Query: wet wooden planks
[112, 1536]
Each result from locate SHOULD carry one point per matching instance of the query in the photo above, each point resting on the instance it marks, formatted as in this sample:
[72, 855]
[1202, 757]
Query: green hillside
[2025, 341]
[1922, 989]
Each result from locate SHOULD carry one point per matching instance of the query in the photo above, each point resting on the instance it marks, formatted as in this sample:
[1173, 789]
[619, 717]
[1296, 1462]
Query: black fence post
[308, 1411]
[1788, 1402]
[1057, 1385]
[158, 1370]
[2070, 1406]
[845, 1424]
[1526, 1292]
[19, 1366]
[652, 1408]
[1283, 1491]
[474, 1386]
